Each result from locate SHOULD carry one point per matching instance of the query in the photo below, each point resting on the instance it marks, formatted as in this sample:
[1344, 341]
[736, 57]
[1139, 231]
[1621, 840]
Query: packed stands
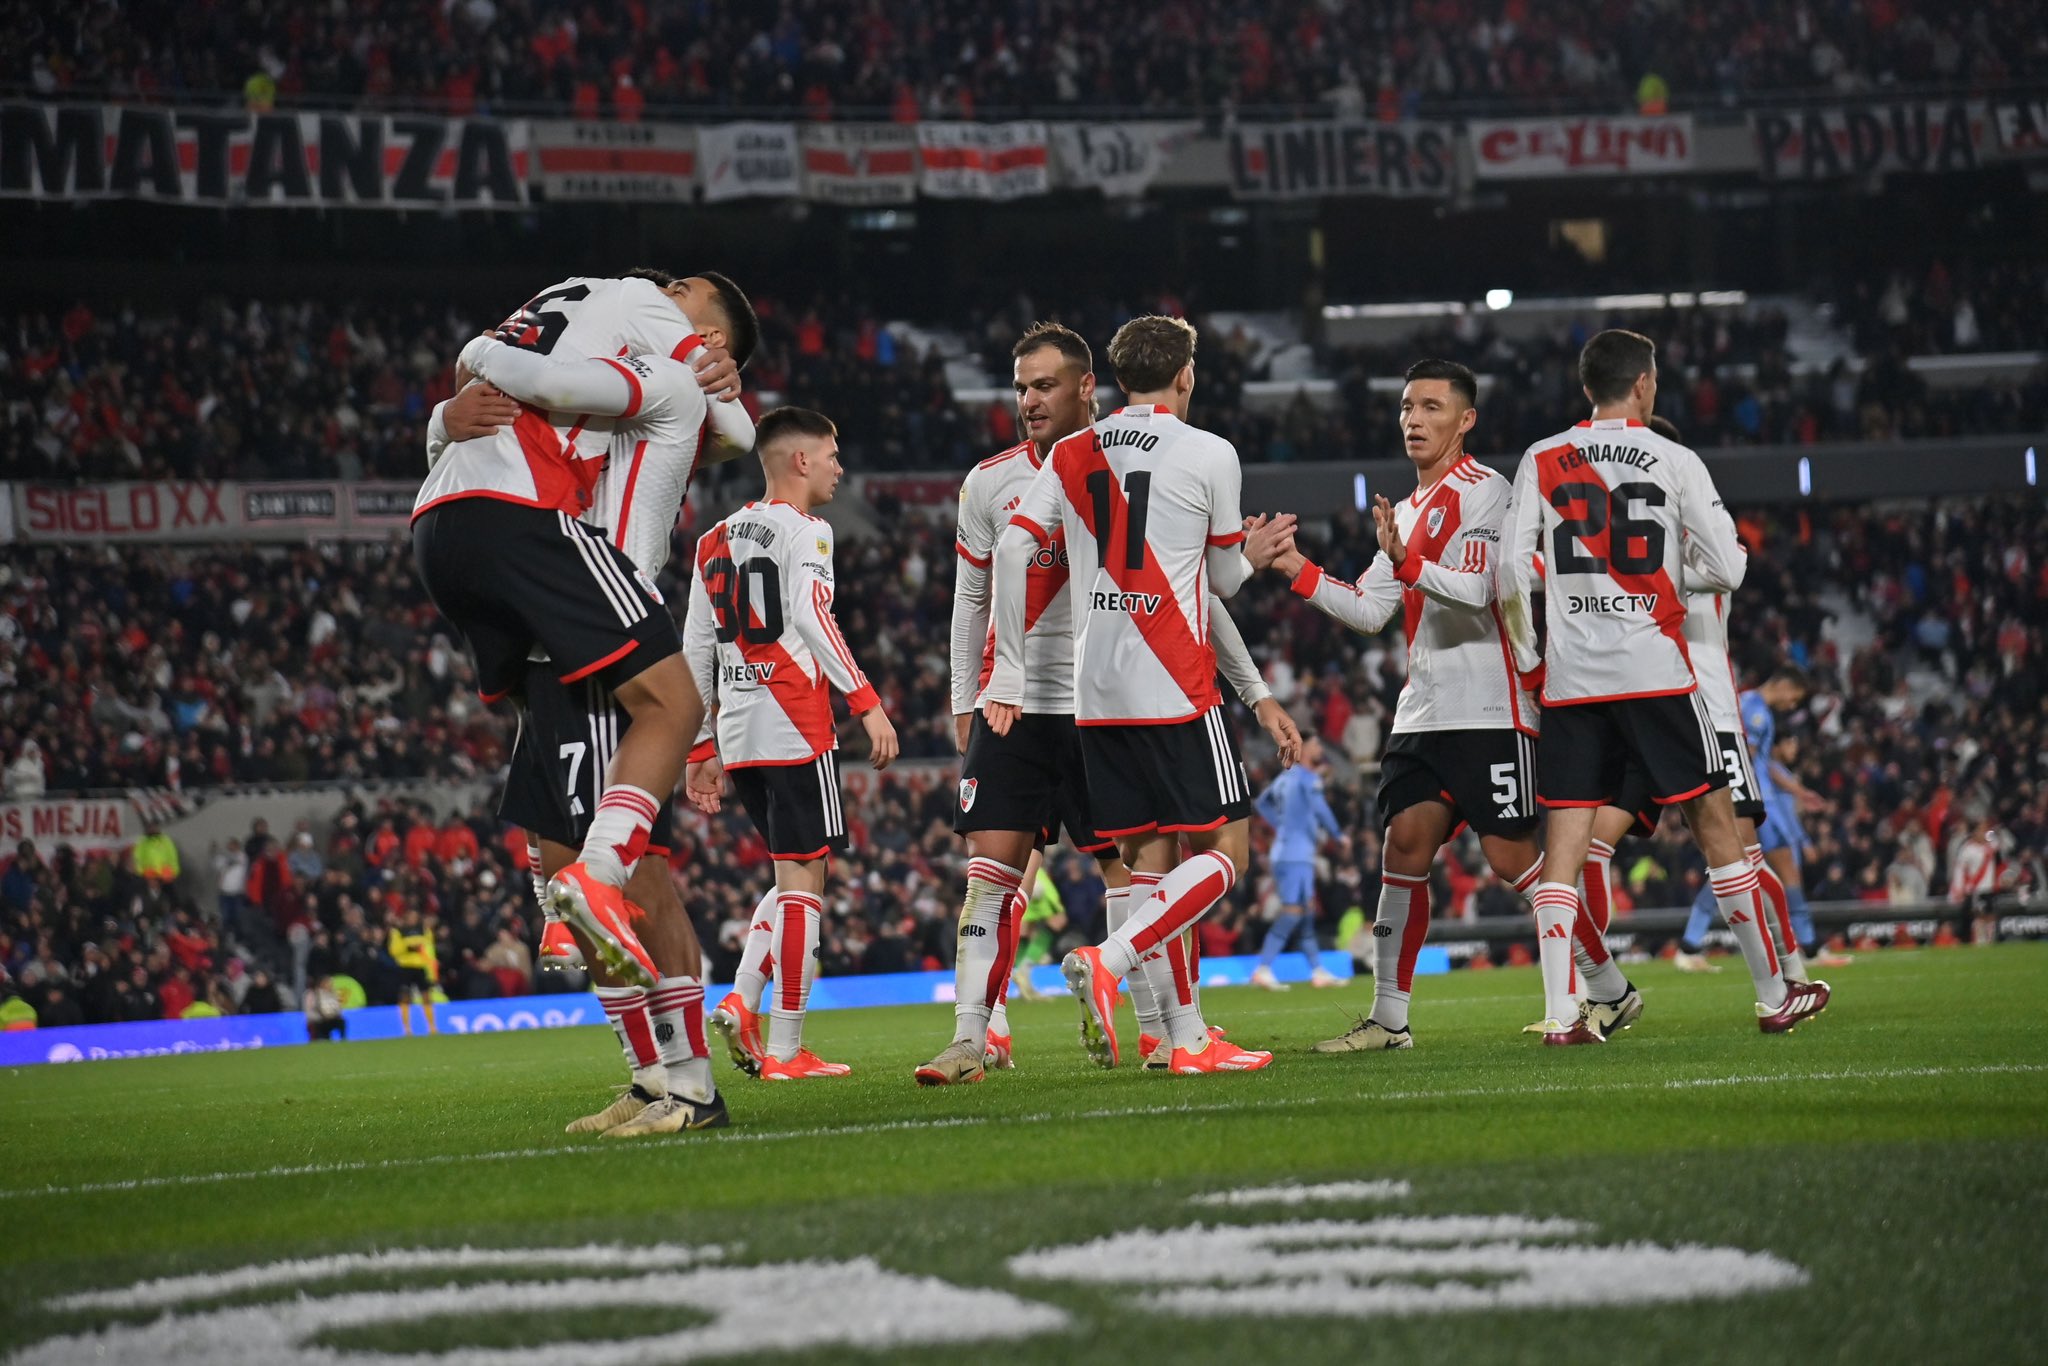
[1922, 626]
[955, 58]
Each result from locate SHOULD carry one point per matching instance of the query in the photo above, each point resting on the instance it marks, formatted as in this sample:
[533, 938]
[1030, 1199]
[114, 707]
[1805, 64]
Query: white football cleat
[1263, 977]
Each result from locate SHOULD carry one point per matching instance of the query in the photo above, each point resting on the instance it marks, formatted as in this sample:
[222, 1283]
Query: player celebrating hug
[1463, 746]
[1618, 515]
[763, 647]
[1150, 508]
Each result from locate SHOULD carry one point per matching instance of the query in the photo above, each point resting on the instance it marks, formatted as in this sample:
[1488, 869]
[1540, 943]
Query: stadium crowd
[295, 389]
[952, 58]
[1934, 724]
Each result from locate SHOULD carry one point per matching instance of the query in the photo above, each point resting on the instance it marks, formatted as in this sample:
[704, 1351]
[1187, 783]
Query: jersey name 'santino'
[1103, 601]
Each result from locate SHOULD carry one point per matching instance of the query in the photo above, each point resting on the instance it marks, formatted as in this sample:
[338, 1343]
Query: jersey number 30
[1635, 545]
[737, 592]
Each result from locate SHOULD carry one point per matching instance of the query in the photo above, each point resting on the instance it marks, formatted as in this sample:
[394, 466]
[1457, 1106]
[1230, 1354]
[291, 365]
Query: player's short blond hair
[1146, 353]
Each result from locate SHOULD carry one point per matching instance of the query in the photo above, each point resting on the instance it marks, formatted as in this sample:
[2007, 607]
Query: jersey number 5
[537, 327]
[736, 591]
[1137, 502]
[1635, 546]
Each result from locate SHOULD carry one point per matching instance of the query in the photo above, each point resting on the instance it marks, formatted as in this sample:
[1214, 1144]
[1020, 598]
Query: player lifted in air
[1150, 509]
[764, 648]
[1463, 746]
[650, 410]
[1017, 790]
[1618, 515]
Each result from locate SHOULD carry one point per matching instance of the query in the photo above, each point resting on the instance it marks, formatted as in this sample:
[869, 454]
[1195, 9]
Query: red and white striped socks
[796, 965]
[999, 1013]
[626, 1009]
[1557, 914]
[1180, 1008]
[1791, 960]
[619, 831]
[676, 1005]
[540, 884]
[985, 952]
[757, 953]
[1184, 897]
[1742, 906]
[1397, 935]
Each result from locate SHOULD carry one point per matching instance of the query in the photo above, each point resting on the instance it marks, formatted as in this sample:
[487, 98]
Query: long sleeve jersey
[1461, 675]
[1295, 807]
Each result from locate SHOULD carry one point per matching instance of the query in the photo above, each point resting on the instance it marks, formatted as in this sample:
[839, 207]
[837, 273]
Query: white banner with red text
[983, 160]
[1566, 148]
[647, 163]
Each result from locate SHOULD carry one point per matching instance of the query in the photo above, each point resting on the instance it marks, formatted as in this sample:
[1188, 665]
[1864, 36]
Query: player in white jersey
[1616, 511]
[568, 731]
[1150, 508]
[1462, 750]
[763, 646]
[1018, 790]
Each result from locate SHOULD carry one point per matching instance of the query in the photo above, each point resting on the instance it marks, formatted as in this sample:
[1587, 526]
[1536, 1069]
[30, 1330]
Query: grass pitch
[1885, 1170]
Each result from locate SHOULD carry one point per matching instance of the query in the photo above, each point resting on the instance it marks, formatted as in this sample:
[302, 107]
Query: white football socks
[677, 1007]
[1742, 906]
[751, 978]
[796, 963]
[980, 961]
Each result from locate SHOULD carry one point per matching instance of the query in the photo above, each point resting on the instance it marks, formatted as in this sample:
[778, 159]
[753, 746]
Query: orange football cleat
[602, 912]
[741, 1030]
[802, 1067]
[1094, 986]
[1220, 1055]
[558, 947]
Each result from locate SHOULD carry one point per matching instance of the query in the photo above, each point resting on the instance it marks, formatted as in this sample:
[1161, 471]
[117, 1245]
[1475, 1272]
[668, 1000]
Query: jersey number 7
[1599, 512]
[736, 591]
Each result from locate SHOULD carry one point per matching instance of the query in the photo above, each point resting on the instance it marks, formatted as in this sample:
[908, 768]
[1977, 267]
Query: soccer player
[570, 725]
[762, 644]
[419, 970]
[1706, 637]
[1462, 750]
[1019, 789]
[1616, 511]
[1770, 831]
[1150, 509]
[1294, 805]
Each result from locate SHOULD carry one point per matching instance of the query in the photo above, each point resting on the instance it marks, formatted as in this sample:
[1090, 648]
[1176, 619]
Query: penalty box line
[142, 1183]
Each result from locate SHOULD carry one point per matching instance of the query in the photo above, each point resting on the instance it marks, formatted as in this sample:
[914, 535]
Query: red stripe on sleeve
[632, 386]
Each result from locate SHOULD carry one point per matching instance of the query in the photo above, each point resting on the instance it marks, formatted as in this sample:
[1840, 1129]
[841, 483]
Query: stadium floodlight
[1358, 498]
[1805, 477]
[2031, 481]
[1497, 299]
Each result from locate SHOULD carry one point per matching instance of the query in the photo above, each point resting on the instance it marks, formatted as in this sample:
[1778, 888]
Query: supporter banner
[90, 825]
[1311, 160]
[234, 1033]
[193, 511]
[623, 162]
[2022, 126]
[1533, 149]
[284, 160]
[1119, 159]
[748, 160]
[859, 163]
[982, 160]
[1818, 144]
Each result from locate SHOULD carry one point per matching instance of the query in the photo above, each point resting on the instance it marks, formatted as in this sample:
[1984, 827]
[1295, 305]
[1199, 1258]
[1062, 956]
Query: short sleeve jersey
[1142, 497]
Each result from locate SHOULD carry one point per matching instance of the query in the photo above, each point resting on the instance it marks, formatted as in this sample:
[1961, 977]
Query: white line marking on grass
[1400, 1266]
[1302, 1195]
[857, 1303]
[1192, 1110]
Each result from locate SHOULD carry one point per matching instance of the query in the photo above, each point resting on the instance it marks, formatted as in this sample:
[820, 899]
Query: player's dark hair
[1146, 353]
[1613, 361]
[744, 331]
[780, 423]
[1460, 377]
[657, 275]
[1059, 336]
[1793, 674]
[1664, 427]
